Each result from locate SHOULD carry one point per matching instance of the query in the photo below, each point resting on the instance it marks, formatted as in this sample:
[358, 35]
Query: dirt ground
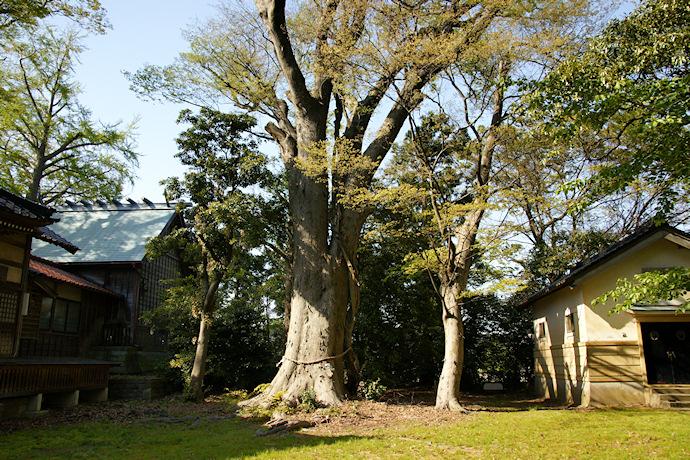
[361, 416]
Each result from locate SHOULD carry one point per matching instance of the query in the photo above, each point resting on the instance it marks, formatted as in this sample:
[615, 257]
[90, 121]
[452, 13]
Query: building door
[9, 309]
[667, 352]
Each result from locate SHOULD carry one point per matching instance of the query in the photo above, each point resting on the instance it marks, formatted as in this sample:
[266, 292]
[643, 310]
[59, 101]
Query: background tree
[398, 336]
[631, 89]
[224, 218]
[50, 146]
[17, 16]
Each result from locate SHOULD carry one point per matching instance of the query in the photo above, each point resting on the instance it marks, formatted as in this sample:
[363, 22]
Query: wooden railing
[26, 379]
[117, 334]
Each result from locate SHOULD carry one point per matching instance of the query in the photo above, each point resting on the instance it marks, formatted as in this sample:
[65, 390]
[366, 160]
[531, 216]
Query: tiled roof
[24, 215]
[51, 237]
[107, 232]
[23, 207]
[45, 268]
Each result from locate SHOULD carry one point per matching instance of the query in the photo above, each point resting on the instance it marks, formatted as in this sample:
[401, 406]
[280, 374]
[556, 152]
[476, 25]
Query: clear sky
[144, 31]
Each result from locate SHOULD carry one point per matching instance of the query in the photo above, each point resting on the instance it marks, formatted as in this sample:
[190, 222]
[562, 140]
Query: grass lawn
[604, 433]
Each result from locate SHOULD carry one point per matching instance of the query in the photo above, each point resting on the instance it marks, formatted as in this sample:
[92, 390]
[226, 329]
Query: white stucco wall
[600, 363]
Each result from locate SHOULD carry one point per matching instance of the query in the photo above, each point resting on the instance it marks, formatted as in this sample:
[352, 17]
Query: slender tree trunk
[455, 273]
[453, 281]
[195, 390]
[36, 177]
[447, 395]
[196, 381]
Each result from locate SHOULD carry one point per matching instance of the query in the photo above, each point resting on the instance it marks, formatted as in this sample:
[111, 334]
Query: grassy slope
[610, 433]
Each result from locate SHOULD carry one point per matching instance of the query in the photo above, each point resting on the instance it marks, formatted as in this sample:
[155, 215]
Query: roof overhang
[611, 256]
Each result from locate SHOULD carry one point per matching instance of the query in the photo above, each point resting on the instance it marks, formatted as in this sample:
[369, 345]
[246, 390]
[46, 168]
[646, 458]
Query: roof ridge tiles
[113, 205]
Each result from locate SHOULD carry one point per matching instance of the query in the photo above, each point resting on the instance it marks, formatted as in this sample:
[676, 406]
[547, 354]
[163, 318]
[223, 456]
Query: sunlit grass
[606, 433]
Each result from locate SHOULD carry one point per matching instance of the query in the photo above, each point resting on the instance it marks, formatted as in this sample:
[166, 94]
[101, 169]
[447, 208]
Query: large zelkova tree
[224, 219]
[51, 147]
[338, 81]
[632, 87]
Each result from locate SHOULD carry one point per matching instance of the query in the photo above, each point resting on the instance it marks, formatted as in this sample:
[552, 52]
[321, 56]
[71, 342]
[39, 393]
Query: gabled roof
[49, 270]
[634, 242]
[107, 232]
[27, 216]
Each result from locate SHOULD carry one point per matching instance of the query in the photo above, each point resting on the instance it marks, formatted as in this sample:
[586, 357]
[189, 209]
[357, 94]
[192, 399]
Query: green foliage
[372, 390]
[307, 401]
[50, 146]
[555, 257]
[244, 344]
[398, 334]
[17, 16]
[499, 347]
[233, 397]
[650, 288]
[632, 88]
[259, 389]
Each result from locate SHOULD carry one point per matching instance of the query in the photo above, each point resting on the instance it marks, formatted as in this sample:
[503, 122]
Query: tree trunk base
[453, 405]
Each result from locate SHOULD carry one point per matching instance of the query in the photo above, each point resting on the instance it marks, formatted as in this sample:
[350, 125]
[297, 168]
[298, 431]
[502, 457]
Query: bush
[372, 390]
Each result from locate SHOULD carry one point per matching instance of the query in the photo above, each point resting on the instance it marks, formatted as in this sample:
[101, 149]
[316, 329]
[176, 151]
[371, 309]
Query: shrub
[372, 390]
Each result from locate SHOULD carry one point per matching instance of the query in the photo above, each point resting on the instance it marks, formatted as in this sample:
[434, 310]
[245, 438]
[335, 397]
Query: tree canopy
[51, 147]
[632, 88]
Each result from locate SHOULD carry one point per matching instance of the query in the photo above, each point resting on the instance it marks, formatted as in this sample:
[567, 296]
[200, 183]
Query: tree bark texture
[325, 289]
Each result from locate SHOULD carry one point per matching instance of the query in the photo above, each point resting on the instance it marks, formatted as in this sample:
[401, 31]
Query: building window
[46, 313]
[541, 330]
[569, 322]
[60, 315]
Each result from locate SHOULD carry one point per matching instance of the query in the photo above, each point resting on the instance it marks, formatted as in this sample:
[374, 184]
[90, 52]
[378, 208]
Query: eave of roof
[24, 208]
[51, 237]
[582, 270]
[49, 270]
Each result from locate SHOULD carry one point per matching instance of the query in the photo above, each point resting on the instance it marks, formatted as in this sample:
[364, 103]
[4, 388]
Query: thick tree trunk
[447, 395]
[320, 303]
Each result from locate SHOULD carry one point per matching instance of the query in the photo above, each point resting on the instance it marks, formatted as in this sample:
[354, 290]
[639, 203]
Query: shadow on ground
[486, 401]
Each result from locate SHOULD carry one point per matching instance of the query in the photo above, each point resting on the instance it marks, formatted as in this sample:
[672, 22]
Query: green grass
[606, 433]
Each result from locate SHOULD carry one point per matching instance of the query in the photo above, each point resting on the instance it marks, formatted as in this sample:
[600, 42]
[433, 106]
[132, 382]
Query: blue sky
[144, 31]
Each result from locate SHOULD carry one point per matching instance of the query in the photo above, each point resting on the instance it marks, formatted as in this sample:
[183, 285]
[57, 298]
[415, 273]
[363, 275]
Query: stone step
[674, 389]
[676, 397]
[680, 405]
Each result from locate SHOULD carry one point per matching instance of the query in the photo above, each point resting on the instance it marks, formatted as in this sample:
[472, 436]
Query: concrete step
[675, 397]
[680, 405]
[674, 389]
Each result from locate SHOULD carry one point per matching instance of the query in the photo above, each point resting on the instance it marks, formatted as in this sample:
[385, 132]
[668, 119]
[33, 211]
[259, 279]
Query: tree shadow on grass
[502, 401]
